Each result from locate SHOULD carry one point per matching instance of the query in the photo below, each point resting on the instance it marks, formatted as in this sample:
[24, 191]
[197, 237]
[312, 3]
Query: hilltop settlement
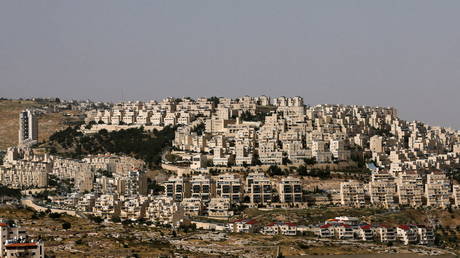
[214, 169]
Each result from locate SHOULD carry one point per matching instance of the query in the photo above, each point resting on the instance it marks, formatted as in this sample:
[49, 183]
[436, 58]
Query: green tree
[66, 225]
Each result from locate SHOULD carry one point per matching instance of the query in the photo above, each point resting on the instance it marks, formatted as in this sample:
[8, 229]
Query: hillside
[9, 121]
[135, 142]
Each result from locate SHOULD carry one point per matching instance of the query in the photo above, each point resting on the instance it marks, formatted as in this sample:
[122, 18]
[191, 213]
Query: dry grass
[85, 238]
[9, 121]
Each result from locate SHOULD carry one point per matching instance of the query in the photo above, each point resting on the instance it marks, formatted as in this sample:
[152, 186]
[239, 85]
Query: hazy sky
[389, 53]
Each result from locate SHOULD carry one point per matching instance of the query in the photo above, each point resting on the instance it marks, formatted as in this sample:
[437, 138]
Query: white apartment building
[352, 194]
[201, 187]
[107, 206]
[437, 190]
[163, 210]
[229, 186]
[220, 207]
[410, 189]
[259, 188]
[406, 234]
[177, 188]
[382, 193]
[28, 127]
[290, 190]
[386, 233]
[456, 195]
[192, 206]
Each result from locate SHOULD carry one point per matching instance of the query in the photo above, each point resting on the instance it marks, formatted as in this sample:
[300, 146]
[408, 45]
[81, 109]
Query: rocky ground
[86, 238]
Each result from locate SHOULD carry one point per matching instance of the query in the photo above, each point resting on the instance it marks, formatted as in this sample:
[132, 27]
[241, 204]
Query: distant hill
[9, 121]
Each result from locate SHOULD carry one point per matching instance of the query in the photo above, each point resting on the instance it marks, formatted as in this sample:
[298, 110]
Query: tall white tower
[28, 127]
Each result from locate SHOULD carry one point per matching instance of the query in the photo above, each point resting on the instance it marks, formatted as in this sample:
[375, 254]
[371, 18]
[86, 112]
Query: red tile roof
[250, 222]
[21, 245]
[366, 227]
[3, 225]
[405, 227]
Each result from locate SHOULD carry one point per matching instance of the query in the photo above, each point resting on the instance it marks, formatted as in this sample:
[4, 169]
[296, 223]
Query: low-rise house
[288, 229]
[24, 248]
[365, 233]
[425, 235]
[325, 231]
[242, 226]
[406, 234]
[385, 233]
[343, 231]
[276, 228]
[14, 242]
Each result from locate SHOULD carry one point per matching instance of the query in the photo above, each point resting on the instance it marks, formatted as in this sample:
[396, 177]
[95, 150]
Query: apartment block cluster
[23, 168]
[352, 228]
[408, 189]
[184, 197]
[250, 130]
[15, 242]
[153, 114]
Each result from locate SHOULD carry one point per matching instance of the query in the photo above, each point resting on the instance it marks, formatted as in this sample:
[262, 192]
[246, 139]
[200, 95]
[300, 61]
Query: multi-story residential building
[456, 195]
[365, 233]
[220, 207]
[386, 233]
[290, 190]
[134, 183]
[24, 174]
[201, 187]
[107, 206]
[437, 190]
[14, 242]
[133, 208]
[352, 194]
[28, 127]
[382, 193]
[376, 144]
[164, 210]
[192, 206]
[86, 202]
[406, 234]
[425, 235]
[410, 189]
[177, 188]
[229, 186]
[259, 188]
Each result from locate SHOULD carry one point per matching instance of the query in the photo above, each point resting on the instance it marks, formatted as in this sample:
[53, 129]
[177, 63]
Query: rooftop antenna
[122, 96]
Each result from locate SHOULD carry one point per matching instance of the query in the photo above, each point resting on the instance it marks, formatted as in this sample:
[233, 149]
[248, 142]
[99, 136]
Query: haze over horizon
[404, 54]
